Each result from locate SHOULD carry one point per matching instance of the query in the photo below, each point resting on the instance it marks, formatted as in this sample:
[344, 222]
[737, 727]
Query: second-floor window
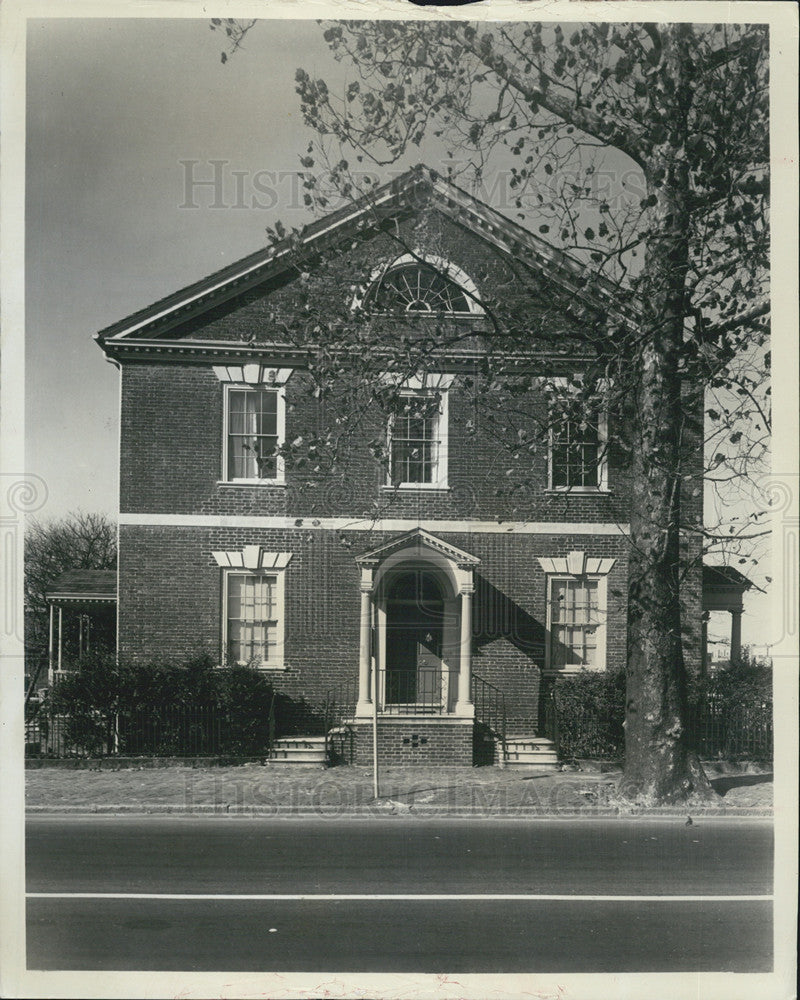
[254, 418]
[418, 440]
[576, 456]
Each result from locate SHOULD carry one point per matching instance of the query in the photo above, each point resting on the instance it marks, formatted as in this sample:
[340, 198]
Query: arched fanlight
[417, 288]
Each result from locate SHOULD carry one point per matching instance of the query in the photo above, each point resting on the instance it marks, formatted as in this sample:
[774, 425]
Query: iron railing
[551, 729]
[490, 707]
[424, 691]
[743, 730]
[715, 729]
[151, 731]
[340, 707]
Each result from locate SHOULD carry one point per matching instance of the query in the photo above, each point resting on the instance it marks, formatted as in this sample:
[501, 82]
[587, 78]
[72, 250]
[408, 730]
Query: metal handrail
[551, 729]
[490, 707]
[420, 691]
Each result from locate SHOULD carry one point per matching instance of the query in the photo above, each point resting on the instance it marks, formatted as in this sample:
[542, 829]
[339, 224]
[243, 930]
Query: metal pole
[375, 780]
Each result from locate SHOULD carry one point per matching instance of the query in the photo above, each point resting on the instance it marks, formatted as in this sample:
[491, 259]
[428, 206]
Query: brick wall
[171, 603]
[172, 440]
[441, 742]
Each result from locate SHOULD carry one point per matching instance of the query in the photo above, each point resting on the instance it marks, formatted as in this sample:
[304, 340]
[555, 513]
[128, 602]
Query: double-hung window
[253, 619]
[576, 624]
[576, 461]
[254, 419]
[418, 440]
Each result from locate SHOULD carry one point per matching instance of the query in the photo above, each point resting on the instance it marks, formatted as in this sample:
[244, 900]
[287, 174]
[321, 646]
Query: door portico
[415, 652]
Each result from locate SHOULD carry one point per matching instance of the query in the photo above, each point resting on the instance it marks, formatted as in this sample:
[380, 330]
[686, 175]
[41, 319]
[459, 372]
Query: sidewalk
[281, 789]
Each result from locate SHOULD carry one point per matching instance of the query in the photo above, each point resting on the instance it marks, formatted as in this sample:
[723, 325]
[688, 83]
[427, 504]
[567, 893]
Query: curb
[386, 810]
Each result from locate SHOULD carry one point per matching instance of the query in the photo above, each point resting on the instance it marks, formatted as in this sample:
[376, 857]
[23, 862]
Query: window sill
[571, 671]
[415, 488]
[580, 490]
[262, 670]
[251, 482]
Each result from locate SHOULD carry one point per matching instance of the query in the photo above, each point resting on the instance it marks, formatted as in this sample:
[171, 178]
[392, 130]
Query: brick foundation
[442, 742]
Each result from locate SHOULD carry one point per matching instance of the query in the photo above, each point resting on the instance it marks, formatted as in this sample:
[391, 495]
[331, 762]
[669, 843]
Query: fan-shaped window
[417, 288]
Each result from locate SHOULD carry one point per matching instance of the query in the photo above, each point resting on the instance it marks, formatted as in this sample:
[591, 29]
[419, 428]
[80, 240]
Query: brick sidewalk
[287, 789]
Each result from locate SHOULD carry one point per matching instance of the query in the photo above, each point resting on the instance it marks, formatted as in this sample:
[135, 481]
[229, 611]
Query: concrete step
[532, 753]
[300, 741]
[300, 750]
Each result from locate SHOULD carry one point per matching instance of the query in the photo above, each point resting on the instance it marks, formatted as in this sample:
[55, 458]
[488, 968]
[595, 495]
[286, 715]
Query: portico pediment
[418, 539]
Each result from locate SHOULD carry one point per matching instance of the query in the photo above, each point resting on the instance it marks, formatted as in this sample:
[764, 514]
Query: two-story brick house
[411, 577]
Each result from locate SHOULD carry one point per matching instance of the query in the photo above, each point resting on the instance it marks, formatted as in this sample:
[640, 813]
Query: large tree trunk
[659, 765]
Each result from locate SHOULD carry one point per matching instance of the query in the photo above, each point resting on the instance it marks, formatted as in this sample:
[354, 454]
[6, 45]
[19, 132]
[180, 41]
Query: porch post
[50, 650]
[464, 705]
[365, 692]
[704, 648]
[736, 636]
[60, 635]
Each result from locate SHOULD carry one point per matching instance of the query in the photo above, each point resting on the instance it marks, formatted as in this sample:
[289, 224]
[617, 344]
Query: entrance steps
[300, 750]
[532, 753]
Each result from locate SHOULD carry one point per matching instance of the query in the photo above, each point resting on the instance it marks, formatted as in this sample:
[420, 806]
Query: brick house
[407, 582]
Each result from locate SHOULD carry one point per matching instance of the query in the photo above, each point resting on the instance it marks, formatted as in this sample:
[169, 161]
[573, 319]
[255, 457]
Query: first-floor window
[575, 622]
[416, 440]
[253, 619]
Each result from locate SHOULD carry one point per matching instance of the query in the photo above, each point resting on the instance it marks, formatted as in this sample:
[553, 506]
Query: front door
[414, 623]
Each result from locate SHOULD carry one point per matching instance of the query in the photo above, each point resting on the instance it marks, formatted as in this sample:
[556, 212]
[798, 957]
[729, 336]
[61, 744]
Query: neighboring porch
[723, 590]
[82, 618]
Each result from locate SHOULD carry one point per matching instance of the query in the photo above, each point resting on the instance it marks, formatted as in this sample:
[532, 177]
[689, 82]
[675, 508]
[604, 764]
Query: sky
[121, 114]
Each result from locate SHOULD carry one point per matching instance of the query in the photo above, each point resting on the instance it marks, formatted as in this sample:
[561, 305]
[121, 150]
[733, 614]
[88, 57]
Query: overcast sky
[114, 107]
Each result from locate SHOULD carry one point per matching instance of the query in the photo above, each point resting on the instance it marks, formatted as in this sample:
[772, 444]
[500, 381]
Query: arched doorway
[415, 618]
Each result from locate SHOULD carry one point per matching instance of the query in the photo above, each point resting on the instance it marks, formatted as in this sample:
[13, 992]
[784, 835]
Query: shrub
[164, 708]
[590, 709]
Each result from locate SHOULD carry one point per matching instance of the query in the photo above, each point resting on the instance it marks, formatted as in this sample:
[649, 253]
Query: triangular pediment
[416, 539]
[419, 191]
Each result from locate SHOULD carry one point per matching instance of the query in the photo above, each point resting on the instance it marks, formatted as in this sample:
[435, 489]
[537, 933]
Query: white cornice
[312, 523]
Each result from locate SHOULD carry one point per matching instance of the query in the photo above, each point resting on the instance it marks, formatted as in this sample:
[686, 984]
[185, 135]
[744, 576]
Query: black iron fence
[716, 729]
[150, 731]
[741, 730]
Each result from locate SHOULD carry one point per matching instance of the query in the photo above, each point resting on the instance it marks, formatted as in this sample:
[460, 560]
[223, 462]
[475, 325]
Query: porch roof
[418, 537]
[723, 588]
[95, 586]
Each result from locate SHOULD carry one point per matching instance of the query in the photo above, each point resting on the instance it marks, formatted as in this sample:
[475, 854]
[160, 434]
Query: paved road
[411, 895]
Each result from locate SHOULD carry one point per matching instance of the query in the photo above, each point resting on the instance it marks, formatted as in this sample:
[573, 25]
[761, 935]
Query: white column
[736, 636]
[60, 636]
[365, 689]
[464, 704]
[50, 651]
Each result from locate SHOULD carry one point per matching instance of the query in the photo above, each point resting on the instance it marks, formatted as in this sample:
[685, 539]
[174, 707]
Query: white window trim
[602, 608]
[278, 573]
[572, 567]
[279, 478]
[414, 388]
[602, 447]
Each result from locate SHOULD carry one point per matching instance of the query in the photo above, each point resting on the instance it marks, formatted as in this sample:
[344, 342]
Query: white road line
[388, 896]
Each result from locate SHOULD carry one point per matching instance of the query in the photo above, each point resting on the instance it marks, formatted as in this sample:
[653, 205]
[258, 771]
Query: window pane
[414, 444]
[574, 454]
[252, 613]
[252, 433]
